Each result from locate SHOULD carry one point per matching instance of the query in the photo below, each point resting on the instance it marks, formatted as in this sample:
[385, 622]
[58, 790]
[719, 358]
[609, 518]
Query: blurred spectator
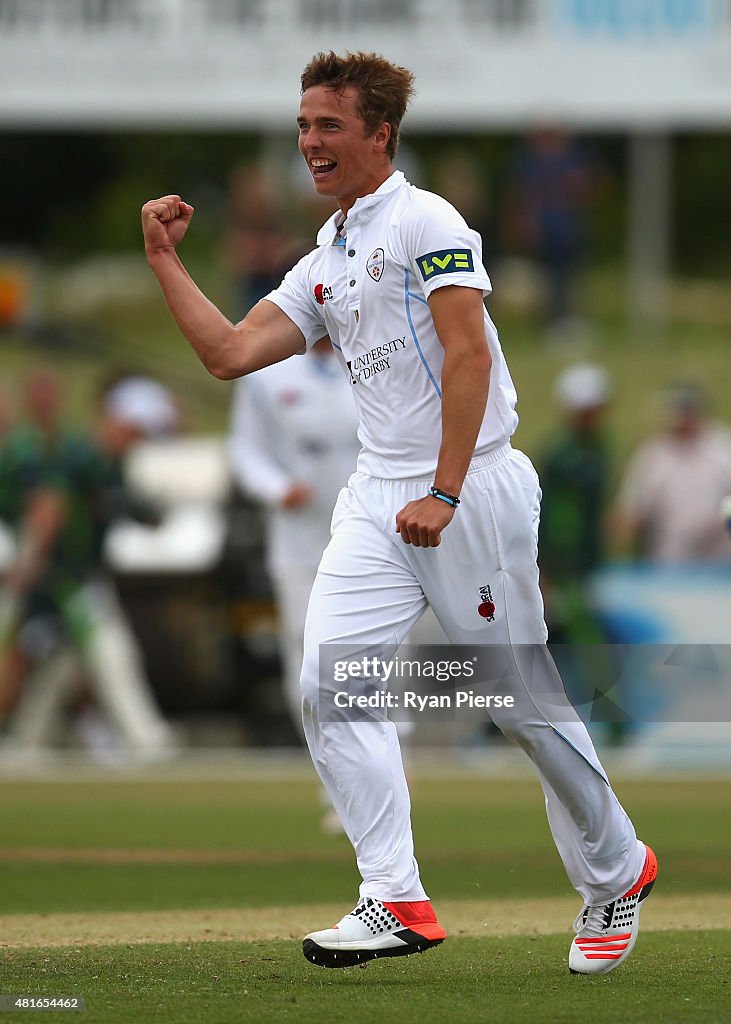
[6, 537]
[28, 440]
[258, 248]
[6, 413]
[553, 179]
[293, 446]
[28, 506]
[30, 510]
[32, 442]
[574, 474]
[43, 402]
[726, 512]
[668, 509]
[69, 617]
[460, 178]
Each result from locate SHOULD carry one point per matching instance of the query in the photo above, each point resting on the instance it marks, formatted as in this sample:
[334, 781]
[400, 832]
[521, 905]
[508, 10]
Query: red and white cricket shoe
[374, 930]
[606, 934]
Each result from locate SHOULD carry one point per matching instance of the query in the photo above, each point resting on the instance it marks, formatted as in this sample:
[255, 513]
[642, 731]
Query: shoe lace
[596, 918]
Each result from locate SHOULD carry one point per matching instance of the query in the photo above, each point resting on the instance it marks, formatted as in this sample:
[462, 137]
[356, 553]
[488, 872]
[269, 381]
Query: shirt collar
[329, 233]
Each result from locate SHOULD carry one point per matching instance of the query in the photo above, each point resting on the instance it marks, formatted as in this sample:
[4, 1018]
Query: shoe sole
[322, 957]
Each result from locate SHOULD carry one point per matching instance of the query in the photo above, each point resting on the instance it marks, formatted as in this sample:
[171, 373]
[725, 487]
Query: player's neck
[346, 203]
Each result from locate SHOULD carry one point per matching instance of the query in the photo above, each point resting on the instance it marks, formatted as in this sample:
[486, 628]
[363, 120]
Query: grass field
[182, 901]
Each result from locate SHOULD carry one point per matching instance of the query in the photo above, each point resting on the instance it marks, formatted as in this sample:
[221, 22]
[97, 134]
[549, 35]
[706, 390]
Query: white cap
[143, 403]
[583, 386]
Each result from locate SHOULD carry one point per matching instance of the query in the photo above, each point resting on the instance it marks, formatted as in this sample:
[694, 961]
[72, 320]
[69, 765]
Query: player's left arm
[459, 318]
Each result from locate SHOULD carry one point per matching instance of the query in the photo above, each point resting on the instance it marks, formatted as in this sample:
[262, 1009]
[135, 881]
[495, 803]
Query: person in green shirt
[575, 471]
[71, 618]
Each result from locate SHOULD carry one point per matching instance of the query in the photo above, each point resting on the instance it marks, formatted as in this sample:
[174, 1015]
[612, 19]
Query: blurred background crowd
[159, 530]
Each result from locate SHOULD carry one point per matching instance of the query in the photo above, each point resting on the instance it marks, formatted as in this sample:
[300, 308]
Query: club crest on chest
[374, 266]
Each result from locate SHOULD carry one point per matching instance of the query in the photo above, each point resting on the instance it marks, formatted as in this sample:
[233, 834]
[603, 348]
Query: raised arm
[265, 336]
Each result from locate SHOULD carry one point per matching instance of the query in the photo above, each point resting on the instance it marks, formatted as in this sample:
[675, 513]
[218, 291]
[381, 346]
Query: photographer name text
[409, 700]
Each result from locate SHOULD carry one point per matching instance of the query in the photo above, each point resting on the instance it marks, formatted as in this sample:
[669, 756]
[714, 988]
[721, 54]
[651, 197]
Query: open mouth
[321, 167]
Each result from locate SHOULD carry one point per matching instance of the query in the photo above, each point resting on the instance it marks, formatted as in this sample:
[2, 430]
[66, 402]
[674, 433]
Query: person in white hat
[574, 476]
[143, 405]
[574, 473]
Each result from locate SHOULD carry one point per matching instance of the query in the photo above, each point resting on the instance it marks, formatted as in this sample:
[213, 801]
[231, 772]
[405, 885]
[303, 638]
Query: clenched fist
[421, 522]
[164, 223]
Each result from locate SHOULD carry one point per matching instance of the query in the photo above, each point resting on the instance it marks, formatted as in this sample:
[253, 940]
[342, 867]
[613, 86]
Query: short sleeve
[294, 297]
[439, 248]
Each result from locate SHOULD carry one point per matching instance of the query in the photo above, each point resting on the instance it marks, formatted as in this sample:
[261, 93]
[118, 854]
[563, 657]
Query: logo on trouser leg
[487, 606]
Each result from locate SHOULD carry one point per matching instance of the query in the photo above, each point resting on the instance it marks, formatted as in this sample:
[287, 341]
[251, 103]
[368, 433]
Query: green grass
[679, 977]
[461, 814]
[476, 838]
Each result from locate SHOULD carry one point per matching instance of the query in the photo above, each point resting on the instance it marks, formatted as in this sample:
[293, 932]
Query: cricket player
[68, 613]
[285, 454]
[441, 509]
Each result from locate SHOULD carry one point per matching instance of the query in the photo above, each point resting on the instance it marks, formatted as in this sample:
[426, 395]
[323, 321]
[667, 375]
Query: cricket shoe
[606, 934]
[374, 930]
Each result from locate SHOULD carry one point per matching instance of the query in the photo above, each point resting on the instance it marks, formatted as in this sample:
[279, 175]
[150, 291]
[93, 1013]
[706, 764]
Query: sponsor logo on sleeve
[322, 293]
[445, 261]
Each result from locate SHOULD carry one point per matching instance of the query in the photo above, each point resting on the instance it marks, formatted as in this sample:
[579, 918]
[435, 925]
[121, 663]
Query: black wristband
[451, 499]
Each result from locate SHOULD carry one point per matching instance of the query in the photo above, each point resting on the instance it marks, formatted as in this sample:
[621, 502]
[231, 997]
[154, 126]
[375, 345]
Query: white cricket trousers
[369, 591]
[292, 589]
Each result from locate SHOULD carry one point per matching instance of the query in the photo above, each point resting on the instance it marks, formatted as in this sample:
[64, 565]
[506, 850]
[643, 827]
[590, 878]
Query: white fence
[479, 63]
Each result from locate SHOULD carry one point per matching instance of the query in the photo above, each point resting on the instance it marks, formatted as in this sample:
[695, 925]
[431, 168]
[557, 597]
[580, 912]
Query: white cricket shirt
[282, 434]
[366, 285]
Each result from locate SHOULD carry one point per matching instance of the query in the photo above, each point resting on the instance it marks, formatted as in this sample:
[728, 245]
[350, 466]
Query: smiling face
[345, 162]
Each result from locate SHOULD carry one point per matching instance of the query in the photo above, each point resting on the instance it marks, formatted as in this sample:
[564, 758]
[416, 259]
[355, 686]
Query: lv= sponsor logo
[445, 261]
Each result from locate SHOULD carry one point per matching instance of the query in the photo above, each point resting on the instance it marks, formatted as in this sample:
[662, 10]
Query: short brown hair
[384, 88]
